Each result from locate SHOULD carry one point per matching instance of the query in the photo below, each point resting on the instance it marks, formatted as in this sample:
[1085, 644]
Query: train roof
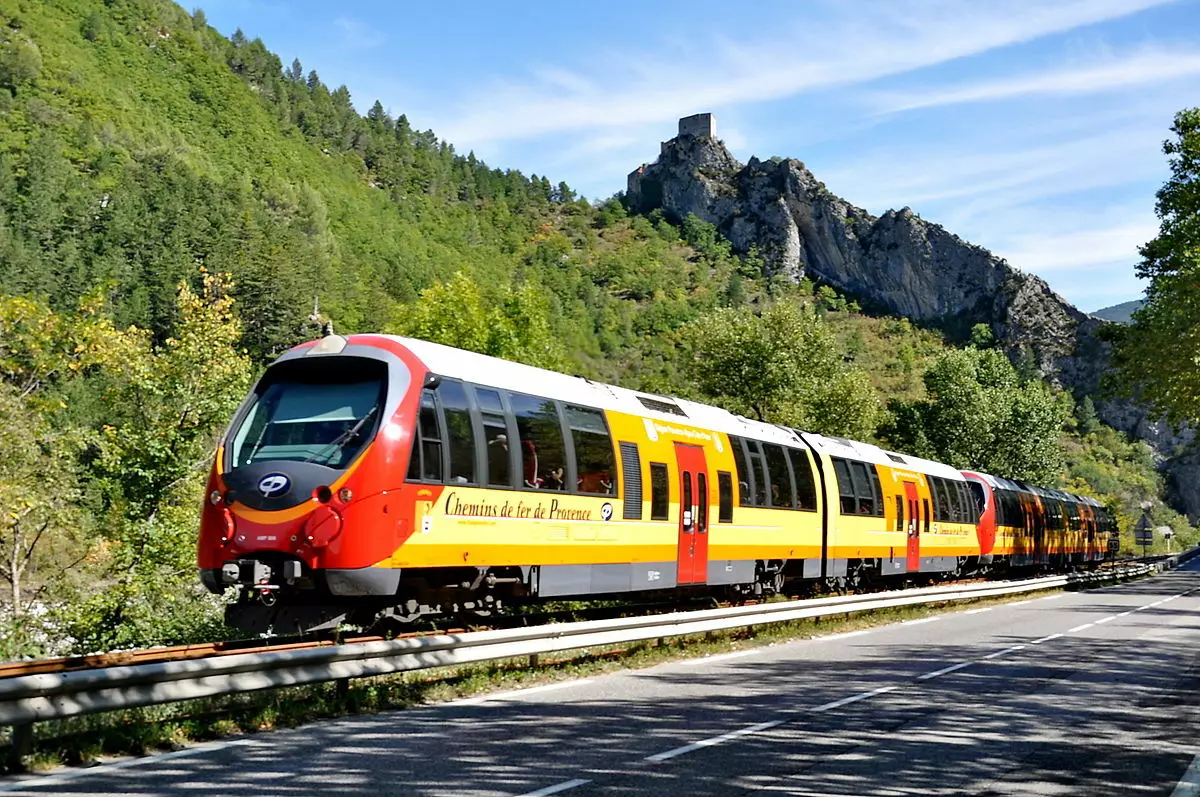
[469, 366]
[1047, 492]
[853, 449]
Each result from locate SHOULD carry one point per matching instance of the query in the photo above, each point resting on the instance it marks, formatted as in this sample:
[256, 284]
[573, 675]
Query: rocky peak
[897, 261]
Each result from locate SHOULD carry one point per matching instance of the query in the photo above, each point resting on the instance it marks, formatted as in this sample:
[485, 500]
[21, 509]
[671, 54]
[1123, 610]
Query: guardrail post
[343, 689]
[533, 660]
[22, 746]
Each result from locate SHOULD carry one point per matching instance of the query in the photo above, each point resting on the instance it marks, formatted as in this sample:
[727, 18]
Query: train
[372, 478]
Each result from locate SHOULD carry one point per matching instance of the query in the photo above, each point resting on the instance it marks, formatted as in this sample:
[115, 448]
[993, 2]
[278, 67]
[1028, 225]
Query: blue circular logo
[273, 485]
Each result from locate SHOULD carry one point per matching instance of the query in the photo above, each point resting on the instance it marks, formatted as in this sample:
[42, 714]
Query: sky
[1031, 127]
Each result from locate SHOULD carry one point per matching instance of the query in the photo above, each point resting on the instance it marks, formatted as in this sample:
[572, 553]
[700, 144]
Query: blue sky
[1031, 127]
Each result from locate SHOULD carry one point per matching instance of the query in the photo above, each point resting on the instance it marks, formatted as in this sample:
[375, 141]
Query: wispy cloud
[1114, 74]
[849, 47]
[357, 34]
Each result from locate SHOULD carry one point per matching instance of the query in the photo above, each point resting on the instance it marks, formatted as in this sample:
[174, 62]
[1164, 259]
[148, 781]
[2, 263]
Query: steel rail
[46, 696]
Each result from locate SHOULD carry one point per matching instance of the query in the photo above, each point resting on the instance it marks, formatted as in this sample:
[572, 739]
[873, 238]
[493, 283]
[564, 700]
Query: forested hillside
[173, 203]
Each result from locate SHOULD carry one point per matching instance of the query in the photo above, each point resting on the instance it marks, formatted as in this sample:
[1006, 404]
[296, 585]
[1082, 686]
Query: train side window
[460, 433]
[745, 477]
[659, 500]
[806, 488]
[862, 488]
[495, 436]
[426, 461]
[878, 490]
[725, 493]
[958, 512]
[899, 514]
[543, 457]
[941, 504]
[925, 502]
[701, 502]
[758, 464]
[781, 494]
[845, 486]
[596, 470]
[631, 472]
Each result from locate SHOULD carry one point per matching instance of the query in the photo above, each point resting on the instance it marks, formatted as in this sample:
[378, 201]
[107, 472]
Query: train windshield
[322, 412]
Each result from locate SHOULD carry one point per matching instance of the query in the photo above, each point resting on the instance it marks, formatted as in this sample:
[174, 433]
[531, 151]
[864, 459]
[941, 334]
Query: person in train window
[554, 480]
[775, 501]
[605, 484]
[531, 465]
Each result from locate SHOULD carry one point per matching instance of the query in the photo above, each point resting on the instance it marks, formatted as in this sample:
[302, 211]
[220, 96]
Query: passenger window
[460, 434]
[659, 500]
[745, 477]
[701, 502]
[878, 490]
[495, 436]
[759, 465]
[925, 506]
[899, 514]
[845, 487]
[806, 489]
[782, 494]
[725, 491]
[543, 458]
[862, 488]
[426, 461]
[956, 512]
[431, 439]
[941, 504]
[595, 467]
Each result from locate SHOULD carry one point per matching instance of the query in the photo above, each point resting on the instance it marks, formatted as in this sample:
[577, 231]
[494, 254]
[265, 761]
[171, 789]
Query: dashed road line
[1104, 620]
[556, 788]
[725, 737]
[517, 693]
[979, 611]
[846, 635]
[921, 620]
[1079, 628]
[1004, 652]
[711, 659]
[1046, 639]
[944, 671]
[845, 701]
[1019, 603]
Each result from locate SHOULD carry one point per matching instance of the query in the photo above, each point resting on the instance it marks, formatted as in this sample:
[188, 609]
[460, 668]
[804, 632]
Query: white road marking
[922, 620]
[944, 671]
[1173, 597]
[846, 635]
[516, 693]
[725, 737]
[1045, 639]
[1019, 603]
[1126, 614]
[1004, 652]
[1053, 597]
[1141, 608]
[100, 769]
[1189, 784]
[845, 701]
[979, 611]
[710, 659]
[556, 788]
[1079, 628]
[1104, 620]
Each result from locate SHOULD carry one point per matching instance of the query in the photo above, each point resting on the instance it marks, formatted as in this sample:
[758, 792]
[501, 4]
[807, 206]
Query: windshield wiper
[338, 442]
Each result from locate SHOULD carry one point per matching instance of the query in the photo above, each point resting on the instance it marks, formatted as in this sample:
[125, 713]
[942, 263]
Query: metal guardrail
[35, 698]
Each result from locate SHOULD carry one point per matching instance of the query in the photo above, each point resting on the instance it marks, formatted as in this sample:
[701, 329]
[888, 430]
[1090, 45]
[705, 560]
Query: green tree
[1158, 355]
[783, 367]
[979, 415]
[512, 324]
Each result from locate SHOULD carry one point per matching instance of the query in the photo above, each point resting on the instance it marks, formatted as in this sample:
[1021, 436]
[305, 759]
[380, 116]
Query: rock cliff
[897, 262]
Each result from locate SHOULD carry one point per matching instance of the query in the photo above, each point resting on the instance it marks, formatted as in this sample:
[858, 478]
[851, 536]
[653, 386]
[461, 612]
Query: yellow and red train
[375, 475]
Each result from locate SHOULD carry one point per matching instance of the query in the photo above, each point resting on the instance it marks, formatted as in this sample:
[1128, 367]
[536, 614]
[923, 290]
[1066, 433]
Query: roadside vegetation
[178, 207]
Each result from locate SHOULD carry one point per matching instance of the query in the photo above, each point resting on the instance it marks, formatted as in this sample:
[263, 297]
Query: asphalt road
[1090, 693]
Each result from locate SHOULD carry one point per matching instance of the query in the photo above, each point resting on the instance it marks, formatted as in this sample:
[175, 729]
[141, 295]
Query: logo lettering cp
[273, 485]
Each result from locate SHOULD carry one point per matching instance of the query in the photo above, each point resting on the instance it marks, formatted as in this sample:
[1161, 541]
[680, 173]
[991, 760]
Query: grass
[88, 739]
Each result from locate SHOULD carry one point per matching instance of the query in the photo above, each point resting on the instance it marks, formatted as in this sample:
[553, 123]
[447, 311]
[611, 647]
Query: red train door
[693, 514]
[914, 528]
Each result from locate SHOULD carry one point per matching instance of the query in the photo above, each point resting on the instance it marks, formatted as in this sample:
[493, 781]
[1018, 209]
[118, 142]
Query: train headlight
[214, 497]
[344, 495]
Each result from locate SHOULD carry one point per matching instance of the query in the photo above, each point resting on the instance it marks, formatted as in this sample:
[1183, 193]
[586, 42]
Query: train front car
[320, 445]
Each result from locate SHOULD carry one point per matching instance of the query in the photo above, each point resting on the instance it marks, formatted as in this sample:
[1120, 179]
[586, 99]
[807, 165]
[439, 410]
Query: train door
[914, 528]
[693, 514]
